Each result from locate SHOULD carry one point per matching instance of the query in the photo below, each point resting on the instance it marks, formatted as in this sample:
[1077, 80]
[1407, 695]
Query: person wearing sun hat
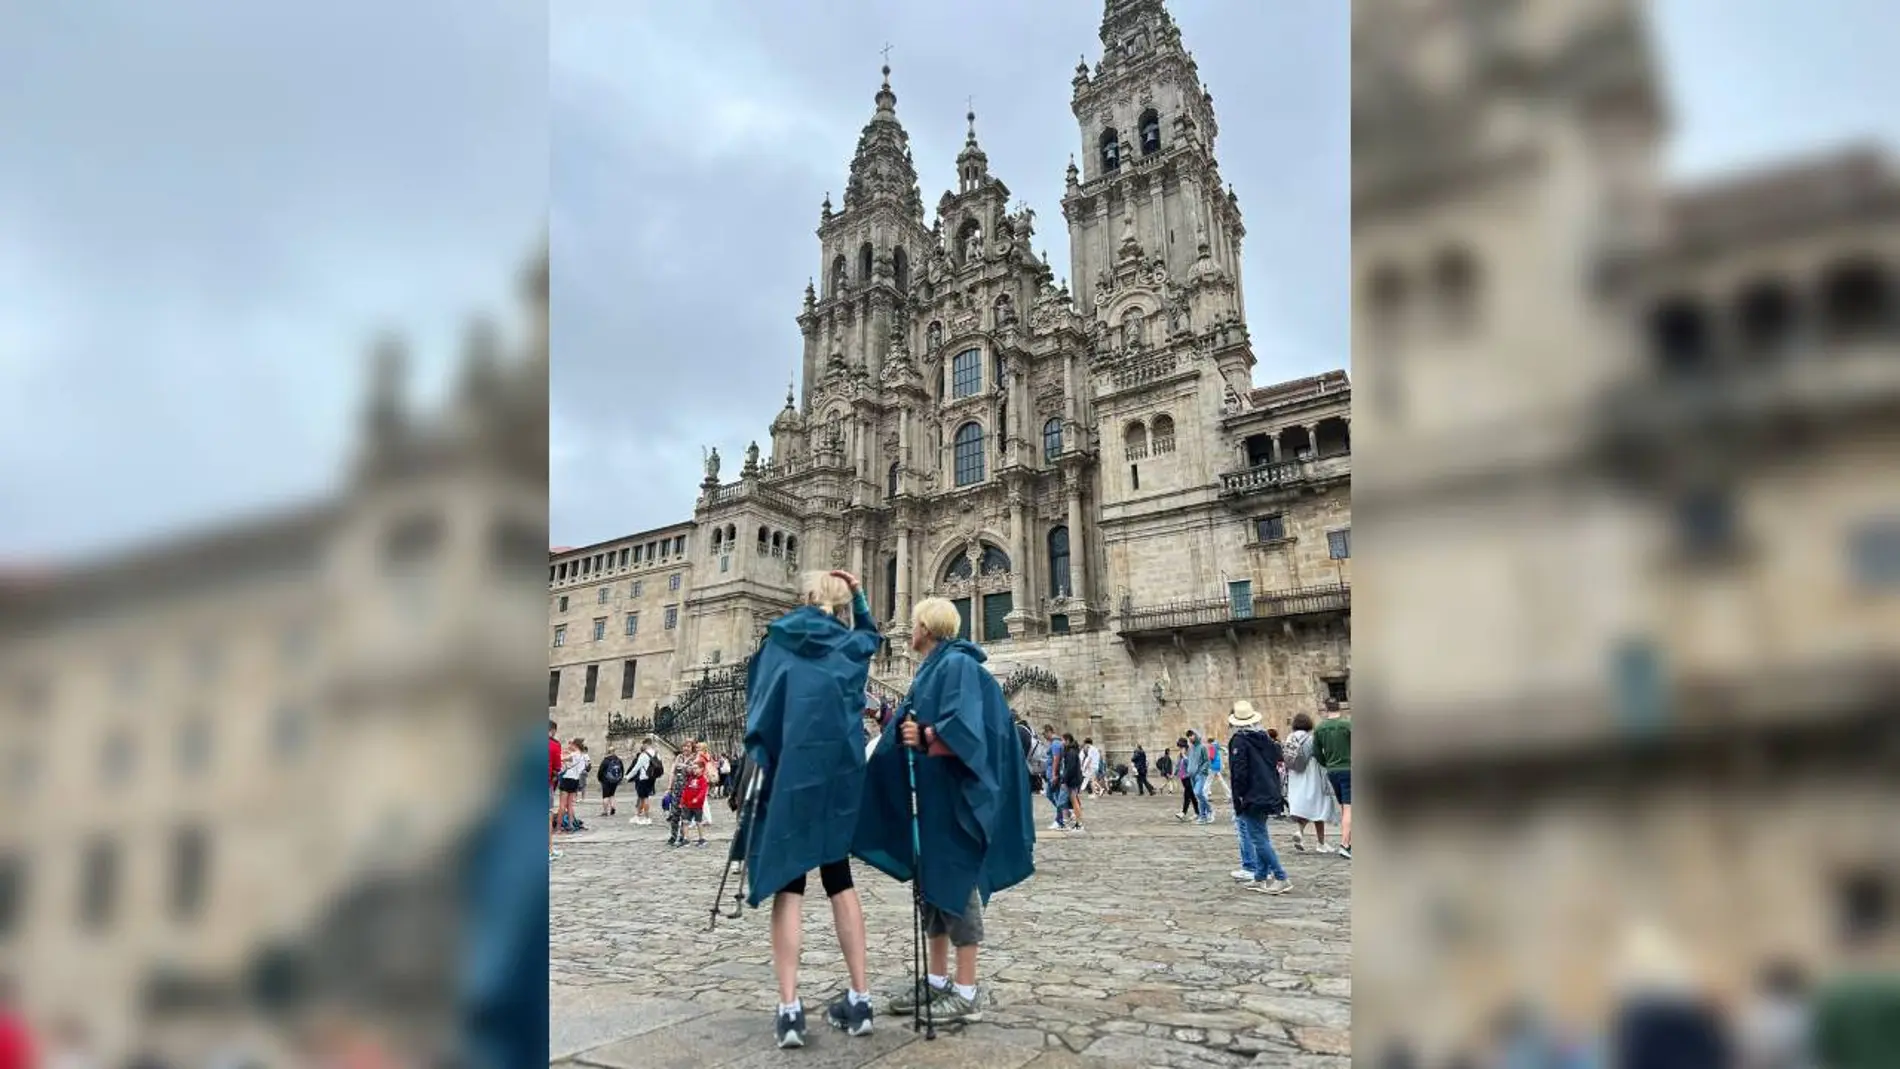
[1254, 761]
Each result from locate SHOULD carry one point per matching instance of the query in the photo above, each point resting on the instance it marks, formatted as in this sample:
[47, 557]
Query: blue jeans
[1200, 797]
[1058, 796]
[1256, 850]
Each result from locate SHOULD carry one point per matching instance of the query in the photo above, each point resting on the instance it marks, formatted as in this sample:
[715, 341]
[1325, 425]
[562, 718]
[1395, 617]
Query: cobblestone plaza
[1131, 946]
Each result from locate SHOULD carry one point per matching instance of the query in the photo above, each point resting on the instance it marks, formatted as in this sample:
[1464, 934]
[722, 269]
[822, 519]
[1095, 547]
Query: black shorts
[836, 876]
[570, 786]
[643, 788]
[607, 789]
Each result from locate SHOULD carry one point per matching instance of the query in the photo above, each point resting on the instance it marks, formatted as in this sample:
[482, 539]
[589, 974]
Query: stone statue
[752, 456]
[712, 465]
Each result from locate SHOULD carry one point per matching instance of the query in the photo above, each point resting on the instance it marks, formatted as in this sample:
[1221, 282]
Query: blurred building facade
[1629, 592]
[1135, 533]
[224, 750]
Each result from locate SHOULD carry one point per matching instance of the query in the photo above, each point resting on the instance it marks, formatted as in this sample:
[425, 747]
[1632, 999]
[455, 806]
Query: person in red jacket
[692, 800]
[16, 1039]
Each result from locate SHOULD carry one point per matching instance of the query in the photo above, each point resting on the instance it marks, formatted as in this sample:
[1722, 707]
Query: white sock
[966, 992]
[939, 982]
[858, 998]
[787, 1009]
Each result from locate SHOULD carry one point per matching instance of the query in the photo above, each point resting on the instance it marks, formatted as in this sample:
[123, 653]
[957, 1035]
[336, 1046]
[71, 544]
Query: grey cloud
[210, 207]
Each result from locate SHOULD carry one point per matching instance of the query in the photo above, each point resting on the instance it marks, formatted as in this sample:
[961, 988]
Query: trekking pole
[919, 943]
[736, 853]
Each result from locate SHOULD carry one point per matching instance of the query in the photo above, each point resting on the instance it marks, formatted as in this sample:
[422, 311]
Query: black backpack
[612, 772]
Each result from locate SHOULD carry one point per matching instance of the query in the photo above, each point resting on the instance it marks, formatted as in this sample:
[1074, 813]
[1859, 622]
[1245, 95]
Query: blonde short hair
[830, 593]
[938, 617]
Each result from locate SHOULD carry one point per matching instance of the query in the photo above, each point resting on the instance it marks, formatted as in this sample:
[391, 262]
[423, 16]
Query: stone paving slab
[1131, 946]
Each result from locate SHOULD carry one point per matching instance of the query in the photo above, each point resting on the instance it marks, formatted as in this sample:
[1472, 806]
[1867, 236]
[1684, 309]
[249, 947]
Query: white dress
[1308, 795]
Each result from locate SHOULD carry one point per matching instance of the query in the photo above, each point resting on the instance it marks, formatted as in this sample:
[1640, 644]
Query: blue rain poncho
[805, 731]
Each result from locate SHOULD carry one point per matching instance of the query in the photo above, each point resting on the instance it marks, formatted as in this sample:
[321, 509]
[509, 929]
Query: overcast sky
[692, 149]
[208, 208]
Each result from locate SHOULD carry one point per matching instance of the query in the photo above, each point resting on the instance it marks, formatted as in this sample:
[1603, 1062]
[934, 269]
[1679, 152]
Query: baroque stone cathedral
[1136, 534]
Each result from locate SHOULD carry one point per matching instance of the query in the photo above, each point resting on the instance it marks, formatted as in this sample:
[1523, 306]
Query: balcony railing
[1273, 605]
[1282, 473]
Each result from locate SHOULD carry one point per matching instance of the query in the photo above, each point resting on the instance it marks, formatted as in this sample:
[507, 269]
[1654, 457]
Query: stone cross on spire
[887, 53]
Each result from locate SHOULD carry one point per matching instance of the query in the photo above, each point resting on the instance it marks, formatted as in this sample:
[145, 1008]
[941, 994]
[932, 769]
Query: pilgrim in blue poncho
[972, 802]
[805, 731]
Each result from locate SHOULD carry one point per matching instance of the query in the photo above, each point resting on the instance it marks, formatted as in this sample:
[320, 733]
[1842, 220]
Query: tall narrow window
[890, 489]
[554, 688]
[900, 269]
[966, 373]
[1111, 151]
[99, 890]
[890, 589]
[191, 862]
[1059, 562]
[1339, 543]
[633, 624]
[968, 454]
[1150, 132]
[600, 628]
[626, 679]
[672, 617]
[593, 684]
[1052, 439]
[864, 262]
[560, 635]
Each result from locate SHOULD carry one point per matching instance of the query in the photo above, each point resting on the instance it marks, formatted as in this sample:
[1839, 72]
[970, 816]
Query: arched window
[864, 263]
[1135, 438]
[1455, 276]
[1162, 440]
[995, 561]
[719, 535]
[778, 544]
[791, 549]
[968, 453]
[765, 541]
[890, 588]
[933, 335]
[1059, 562]
[840, 280]
[1857, 299]
[1679, 336]
[1766, 315]
[1111, 151]
[958, 568]
[1052, 439]
[890, 489]
[732, 534]
[966, 373]
[900, 268]
[1150, 132]
[1386, 285]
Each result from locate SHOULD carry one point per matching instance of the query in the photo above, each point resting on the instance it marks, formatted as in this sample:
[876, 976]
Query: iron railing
[1273, 605]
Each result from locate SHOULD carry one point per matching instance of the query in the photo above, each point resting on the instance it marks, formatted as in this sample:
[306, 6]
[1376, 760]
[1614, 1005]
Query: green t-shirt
[1332, 744]
[1857, 1022]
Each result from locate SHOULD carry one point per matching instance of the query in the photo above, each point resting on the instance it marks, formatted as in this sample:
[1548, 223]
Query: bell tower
[1149, 191]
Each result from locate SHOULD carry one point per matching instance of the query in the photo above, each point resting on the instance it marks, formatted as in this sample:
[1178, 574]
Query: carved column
[903, 570]
[1078, 539]
[1018, 618]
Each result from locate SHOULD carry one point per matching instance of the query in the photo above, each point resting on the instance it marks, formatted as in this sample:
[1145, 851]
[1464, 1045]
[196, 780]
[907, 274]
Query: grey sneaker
[904, 999]
[853, 1019]
[1271, 886]
[948, 1007]
[790, 1029]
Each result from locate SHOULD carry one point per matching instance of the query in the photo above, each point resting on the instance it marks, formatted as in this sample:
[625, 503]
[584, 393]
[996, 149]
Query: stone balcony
[1285, 474]
[1218, 614]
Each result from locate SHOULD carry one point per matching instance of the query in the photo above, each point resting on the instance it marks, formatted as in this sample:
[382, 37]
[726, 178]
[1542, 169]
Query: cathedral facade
[1088, 474]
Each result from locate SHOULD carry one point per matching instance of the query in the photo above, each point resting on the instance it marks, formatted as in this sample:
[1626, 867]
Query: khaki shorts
[964, 931]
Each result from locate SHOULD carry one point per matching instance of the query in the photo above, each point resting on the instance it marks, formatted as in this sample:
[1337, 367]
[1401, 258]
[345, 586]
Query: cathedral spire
[881, 169]
[973, 165]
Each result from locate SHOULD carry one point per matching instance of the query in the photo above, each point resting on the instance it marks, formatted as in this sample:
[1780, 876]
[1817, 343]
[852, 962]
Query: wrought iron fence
[1029, 677]
[1268, 606]
[712, 710]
